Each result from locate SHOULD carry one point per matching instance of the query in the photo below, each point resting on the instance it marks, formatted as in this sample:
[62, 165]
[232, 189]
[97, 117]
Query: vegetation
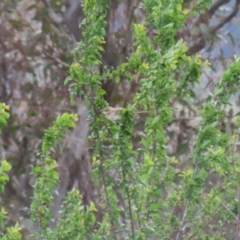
[144, 192]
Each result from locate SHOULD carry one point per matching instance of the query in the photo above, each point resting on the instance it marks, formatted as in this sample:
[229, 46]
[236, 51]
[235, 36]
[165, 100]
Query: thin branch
[228, 209]
[238, 217]
[57, 60]
[227, 18]
[237, 190]
[53, 16]
[181, 229]
[202, 42]
[216, 5]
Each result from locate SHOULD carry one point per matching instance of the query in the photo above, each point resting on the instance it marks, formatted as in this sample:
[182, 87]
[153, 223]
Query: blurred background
[36, 43]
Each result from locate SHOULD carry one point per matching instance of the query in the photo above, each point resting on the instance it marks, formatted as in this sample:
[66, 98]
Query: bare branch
[216, 5]
[201, 43]
[228, 18]
[53, 16]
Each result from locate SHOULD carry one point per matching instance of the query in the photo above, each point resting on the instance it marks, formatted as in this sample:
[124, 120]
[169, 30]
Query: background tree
[35, 58]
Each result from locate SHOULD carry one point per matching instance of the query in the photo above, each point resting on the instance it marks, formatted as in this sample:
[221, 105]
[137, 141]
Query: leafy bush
[144, 197]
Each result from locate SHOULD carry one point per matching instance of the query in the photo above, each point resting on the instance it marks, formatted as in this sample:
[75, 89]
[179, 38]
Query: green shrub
[157, 202]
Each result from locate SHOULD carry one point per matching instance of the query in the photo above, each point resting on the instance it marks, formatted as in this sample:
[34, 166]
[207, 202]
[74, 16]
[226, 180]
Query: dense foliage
[143, 191]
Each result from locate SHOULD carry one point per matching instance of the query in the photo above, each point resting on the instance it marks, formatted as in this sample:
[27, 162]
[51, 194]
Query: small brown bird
[111, 113]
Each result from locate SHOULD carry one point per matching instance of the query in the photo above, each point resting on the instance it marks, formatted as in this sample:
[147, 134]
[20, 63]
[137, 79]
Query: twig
[201, 43]
[53, 16]
[181, 229]
[228, 209]
[56, 59]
